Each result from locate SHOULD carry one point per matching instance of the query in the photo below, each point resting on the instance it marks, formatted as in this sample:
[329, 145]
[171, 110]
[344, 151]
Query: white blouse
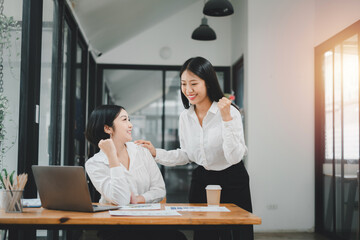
[216, 145]
[116, 184]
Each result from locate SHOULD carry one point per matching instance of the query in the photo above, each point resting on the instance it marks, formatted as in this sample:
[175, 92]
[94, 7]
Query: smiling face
[122, 127]
[194, 88]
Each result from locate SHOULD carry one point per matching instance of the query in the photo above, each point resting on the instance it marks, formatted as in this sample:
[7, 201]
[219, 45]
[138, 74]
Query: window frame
[320, 130]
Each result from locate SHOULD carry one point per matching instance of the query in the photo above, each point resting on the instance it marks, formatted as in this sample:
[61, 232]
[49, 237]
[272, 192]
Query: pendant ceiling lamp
[204, 32]
[218, 8]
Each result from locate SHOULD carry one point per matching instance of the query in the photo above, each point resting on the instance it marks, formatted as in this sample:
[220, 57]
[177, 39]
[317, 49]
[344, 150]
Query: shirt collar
[213, 109]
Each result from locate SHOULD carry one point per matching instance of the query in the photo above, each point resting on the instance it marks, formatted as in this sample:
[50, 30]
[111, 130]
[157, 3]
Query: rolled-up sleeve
[174, 157]
[111, 183]
[233, 139]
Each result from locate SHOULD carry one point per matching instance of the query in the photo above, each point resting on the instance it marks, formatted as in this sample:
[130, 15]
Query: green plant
[4, 106]
[8, 27]
[6, 176]
[4, 145]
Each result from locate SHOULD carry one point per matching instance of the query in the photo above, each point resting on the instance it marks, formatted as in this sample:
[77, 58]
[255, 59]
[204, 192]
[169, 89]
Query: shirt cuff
[150, 199]
[228, 124]
[147, 197]
[159, 154]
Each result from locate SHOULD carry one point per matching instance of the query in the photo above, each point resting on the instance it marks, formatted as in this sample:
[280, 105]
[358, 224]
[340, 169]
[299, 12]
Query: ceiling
[108, 23]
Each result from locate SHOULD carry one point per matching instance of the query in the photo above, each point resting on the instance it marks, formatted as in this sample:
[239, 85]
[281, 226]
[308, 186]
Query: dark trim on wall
[29, 91]
[238, 83]
[91, 95]
[227, 80]
[358, 174]
[84, 85]
[56, 84]
[99, 87]
[319, 146]
[70, 90]
[226, 70]
[339, 37]
[139, 67]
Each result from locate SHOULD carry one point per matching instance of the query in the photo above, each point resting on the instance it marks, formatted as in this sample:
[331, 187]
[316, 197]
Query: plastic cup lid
[213, 187]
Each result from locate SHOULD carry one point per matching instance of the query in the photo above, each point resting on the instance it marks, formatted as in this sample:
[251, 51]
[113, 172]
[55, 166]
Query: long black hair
[101, 116]
[202, 68]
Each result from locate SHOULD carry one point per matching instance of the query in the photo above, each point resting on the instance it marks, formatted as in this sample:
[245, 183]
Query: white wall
[332, 16]
[280, 113]
[145, 47]
[279, 102]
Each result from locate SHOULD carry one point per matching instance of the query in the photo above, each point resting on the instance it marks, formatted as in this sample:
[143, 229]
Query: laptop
[65, 188]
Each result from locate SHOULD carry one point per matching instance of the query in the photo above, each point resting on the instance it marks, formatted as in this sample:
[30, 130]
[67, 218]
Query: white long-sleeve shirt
[216, 145]
[117, 183]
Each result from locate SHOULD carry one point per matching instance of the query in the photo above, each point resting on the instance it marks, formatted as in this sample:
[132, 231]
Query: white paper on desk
[145, 213]
[31, 202]
[197, 209]
[146, 206]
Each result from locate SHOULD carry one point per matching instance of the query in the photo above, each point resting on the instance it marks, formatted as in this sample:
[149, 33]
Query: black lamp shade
[204, 32]
[218, 8]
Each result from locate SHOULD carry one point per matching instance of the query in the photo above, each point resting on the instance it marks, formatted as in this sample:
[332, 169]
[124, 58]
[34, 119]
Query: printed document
[145, 213]
[197, 209]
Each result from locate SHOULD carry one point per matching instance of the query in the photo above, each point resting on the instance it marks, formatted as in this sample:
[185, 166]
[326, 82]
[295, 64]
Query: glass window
[351, 98]
[220, 76]
[80, 104]
[63, 91]
[340, 74]
[177, 179]
[10, 59]
[328, 76]
[140, 93]
[45, 84]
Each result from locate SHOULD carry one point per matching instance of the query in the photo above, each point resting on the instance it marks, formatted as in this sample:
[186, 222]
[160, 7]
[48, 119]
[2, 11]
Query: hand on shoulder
[148, 145]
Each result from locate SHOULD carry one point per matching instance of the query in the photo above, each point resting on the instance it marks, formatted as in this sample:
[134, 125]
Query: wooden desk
[40, 218]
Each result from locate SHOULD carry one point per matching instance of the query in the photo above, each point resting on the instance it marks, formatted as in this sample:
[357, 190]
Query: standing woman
[211, 135]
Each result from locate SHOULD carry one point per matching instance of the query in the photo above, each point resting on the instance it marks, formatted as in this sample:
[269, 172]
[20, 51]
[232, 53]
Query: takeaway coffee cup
[213, 195]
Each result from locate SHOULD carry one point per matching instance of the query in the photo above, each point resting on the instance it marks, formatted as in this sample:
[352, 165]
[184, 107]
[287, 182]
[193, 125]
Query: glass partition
[152, 99]
[177, 179]
[45, 84]
[140, 93]
[10, 59]
[340, 167]
[80, 105]
[63, 91]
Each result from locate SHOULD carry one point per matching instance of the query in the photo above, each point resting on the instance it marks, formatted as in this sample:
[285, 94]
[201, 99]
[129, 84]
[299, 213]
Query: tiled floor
[91, 235]
[289, 236]
[278, 236]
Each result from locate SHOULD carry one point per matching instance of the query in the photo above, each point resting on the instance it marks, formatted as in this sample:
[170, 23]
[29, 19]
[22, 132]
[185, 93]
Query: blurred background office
[293, 66]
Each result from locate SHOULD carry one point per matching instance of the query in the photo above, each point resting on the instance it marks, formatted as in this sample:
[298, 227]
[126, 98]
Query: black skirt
[234, 182]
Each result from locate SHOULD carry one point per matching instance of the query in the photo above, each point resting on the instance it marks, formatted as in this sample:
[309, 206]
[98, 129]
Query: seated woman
[121, 171]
